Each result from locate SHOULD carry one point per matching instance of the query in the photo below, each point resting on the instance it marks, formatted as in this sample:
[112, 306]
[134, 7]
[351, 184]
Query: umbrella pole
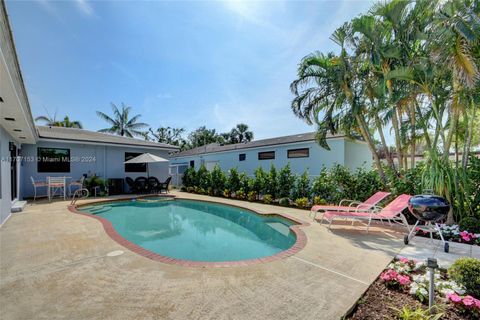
[148, 176]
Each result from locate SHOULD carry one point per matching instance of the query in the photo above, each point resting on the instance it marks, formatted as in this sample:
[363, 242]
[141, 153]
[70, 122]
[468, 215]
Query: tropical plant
[323, 188]
[317, 200]
[227, 193]
[239, 134]
[301, 202]
[121, 123]
[233, 182]
[260, 181]
[245, 182]
[466, 271]
[302, 186]
[252, 196]
[411, 67]
[271, 183]
[218, 180]
[267, 199]
[189, 177]
[203, 178]
[240, 194]
[408, 313]
[470, 224]
[168, 135]
[203, 136]
[53, 122]
[286, 182]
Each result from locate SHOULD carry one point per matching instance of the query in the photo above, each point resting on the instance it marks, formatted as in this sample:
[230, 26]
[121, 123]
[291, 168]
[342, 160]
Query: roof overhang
[15, 115]
[85, 142]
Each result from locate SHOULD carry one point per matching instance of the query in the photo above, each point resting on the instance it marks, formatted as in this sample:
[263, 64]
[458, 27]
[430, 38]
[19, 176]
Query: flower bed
[454, 234]
[405, 284]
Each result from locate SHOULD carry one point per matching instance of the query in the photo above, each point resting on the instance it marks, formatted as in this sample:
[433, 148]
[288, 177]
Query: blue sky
[179, 64]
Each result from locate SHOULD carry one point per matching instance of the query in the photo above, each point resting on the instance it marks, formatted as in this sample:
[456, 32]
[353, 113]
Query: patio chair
[56, 184]
[141, 185]
[131, 184]
[351, 205]
[391, 213]
[78, 184]
[165, 185]
[37, 184]
[153, 184]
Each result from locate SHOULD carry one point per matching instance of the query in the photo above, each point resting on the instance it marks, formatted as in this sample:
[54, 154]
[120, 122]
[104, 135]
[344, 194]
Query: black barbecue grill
[429, 209]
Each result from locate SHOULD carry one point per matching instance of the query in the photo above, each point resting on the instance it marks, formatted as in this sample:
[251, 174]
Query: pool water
[197, 230]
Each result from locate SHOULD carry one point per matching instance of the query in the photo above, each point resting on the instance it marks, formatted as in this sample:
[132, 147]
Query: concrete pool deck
[54, 264]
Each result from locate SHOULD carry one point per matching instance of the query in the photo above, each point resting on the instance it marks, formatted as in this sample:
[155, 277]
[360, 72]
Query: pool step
[100, 209]
[280, 227]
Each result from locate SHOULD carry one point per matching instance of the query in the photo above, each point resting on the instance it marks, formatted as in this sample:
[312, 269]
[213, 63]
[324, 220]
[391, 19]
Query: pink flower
[389, 275]
[468, 301]
[477, 303]
[404, 280]
[404, 260]
[454, 297]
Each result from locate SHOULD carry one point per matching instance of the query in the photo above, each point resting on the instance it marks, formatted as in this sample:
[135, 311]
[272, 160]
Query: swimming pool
[197, 231]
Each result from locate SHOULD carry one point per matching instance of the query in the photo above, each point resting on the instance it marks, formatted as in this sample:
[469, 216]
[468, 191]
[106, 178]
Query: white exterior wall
[109, 163]
[357, 154]
[5, 183]
[318, 157]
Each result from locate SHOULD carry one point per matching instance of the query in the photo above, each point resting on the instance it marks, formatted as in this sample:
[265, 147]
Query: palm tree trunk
[424, 127]
[413, 136]
[398, 144]
[453, 117]
[466, 149]
[366, 135]
[438, 121]
[388, 156]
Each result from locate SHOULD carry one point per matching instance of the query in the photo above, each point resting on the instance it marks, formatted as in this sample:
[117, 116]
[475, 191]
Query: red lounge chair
[350, 205]
[392, 212]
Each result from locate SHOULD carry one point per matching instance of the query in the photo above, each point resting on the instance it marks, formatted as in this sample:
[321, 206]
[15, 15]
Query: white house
[300, 150]
[27, 151]
[24, 147]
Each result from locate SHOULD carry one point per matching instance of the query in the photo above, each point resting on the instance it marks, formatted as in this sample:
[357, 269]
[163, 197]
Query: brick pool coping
[300, 243]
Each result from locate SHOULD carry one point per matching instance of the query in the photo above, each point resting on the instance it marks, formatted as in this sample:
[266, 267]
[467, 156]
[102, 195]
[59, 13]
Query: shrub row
[284, 187]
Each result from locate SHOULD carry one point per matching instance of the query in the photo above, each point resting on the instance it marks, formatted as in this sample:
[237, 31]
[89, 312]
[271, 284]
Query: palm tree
[242, 133]
[239, 134]
[329, 84]
[52, 122]
[121, 124]
[456, 30]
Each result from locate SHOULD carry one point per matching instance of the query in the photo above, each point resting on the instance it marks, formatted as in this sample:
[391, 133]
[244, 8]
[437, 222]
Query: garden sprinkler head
[432, 263]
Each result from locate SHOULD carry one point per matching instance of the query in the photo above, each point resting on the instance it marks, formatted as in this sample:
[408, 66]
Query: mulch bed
[378, 301]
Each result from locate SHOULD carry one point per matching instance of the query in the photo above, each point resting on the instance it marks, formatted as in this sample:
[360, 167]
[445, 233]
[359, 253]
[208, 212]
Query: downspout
[105, 162]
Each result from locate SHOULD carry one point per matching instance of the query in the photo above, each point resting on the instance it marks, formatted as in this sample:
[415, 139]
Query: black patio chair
[141, 185]
[164, 185]
[153, 184]
[131, 185]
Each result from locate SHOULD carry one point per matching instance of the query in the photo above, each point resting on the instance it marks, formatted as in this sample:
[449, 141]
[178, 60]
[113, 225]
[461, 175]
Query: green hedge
[328, 187]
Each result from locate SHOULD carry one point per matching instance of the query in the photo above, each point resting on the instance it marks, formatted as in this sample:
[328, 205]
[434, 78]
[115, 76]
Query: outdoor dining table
[62, 185]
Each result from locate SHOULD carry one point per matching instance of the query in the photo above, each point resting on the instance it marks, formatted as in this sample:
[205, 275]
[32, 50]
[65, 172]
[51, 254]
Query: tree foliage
[121, 123]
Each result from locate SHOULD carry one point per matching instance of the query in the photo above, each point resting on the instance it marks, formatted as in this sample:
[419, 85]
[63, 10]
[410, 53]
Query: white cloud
[85, 7]
[164, 95]
[50, 8]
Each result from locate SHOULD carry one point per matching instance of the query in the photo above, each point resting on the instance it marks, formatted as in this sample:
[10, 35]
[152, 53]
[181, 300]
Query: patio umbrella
[146, 158]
